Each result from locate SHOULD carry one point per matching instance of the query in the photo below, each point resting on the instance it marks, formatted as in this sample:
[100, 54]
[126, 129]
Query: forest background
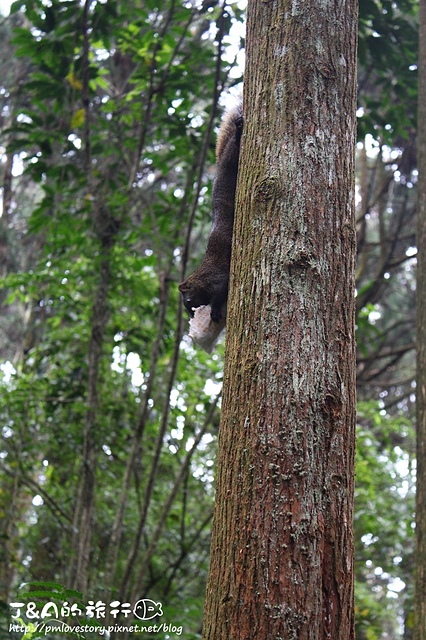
[109, 415]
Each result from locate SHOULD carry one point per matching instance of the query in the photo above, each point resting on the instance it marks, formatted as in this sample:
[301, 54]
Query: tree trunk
[106, 228]
[420, 555]
[282, 547]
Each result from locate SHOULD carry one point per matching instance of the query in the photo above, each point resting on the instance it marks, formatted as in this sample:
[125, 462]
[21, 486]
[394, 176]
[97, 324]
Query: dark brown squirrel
[209, 283]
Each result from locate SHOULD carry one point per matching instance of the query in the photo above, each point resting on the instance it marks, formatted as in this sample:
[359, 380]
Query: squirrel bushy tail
[209, 283]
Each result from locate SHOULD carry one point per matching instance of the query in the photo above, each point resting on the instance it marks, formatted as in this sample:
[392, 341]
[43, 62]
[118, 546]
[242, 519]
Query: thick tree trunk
[282, 548]
[420, 556]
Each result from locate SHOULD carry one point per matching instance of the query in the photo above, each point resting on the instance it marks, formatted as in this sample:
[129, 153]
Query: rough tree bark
[282, 546]
[420, 556]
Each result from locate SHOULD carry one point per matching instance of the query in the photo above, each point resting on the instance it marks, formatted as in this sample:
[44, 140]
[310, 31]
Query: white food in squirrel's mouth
[203, 330]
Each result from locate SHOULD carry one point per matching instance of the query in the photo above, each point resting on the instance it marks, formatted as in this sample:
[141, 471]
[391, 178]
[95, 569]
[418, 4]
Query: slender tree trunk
[106, 228]
[420, 555]
[282, 545]
[83, 517]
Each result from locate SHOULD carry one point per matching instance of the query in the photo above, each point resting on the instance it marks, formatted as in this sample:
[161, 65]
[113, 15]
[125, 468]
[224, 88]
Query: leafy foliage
[114, 124]
[388, 37]
[384, 509]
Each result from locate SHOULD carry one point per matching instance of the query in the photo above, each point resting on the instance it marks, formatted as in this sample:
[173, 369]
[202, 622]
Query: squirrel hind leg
[218, 307]
[216, 314]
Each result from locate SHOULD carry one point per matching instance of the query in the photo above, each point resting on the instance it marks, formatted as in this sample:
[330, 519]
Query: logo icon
[147, 609]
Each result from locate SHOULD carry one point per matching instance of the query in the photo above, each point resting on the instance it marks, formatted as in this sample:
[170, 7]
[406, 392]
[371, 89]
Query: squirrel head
[193, 295]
